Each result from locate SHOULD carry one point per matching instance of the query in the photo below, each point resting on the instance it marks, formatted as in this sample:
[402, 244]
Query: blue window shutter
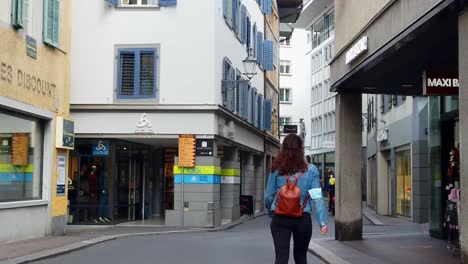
[112, 2]
[167, 2]
[267, 115]
[267, 7]
[258, 111]
[254, 44]
[156, 58]
[249, 34]
[260, 49]
[234, 15]
[146, 73]
[252, 106]
[246, 107]
[126, 74]
[244, 24]
[48, 21]
[268, 55]
[51, 19]
[226, 67]
[56, 37]
[232, 92]
[225, 8]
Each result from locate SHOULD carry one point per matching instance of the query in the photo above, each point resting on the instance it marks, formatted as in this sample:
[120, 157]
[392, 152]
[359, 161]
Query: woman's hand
[324, 230]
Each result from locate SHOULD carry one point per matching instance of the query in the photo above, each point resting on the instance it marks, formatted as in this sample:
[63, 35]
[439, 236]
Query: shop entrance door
[131, 191]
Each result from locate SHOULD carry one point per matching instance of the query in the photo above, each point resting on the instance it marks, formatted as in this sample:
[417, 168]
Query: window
[285, 42]
[20, 157]
[284, 121]
[285, 95]
[51, 27]
[404, 186]
[137, 73]
[322, 29]
[228, 86]
[309, 39]
[285, 67]
[19, 13]
[139, 3]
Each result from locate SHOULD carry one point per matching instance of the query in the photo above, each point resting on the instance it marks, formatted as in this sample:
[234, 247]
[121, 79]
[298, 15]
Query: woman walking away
[292, 187]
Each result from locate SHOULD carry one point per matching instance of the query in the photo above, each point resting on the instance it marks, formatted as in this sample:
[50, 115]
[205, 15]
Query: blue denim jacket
[309, 180]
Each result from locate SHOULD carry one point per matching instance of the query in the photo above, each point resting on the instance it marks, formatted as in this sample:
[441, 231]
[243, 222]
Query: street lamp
[250, 66]
[250, 70]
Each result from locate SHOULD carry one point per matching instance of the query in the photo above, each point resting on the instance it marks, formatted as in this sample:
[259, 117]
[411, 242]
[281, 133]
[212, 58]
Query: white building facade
[317, 19]
[293, 94]
[143, 77]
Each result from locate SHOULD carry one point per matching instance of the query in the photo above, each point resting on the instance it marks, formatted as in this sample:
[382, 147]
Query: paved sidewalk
[79, 237]
[391, 240]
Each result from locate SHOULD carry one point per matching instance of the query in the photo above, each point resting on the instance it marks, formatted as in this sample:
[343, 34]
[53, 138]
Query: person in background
[331, 192]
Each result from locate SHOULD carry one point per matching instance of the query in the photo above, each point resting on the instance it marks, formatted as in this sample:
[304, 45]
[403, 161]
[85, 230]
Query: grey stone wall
[204, 201]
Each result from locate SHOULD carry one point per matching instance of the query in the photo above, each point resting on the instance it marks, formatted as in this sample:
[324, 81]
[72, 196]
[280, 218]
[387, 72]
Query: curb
[325, 255]
[87, 243]
[234, 224]
[372, 218]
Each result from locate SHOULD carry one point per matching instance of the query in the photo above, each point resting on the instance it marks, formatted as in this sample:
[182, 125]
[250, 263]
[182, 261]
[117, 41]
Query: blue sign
[101, 148]
[198, 179]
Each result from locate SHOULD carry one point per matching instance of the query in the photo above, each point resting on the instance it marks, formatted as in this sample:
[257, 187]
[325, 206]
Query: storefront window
[330, 164]
[169, 157]
[317, 160]
[91, 189]
[404, 191]
[450, 103]
[20, 157]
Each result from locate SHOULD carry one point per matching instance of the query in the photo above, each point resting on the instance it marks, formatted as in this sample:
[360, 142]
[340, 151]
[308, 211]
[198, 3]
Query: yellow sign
[187, 151]
[20, 150]
[199, 170]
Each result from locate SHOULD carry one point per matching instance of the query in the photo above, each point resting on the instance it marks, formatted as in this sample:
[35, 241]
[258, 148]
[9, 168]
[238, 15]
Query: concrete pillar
[348, 219]
[202, 195]
[248, 175]
[259, 162]
[383, 178]
[393, 182]
[463, 97]
[230, 185]
[420, 161]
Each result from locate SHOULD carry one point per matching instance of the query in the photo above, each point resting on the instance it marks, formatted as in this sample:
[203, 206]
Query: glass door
[123, 189]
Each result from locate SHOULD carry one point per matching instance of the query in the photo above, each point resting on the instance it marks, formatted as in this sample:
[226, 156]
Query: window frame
[287, 63]
[41, 136]
[281, 124]
[289, 96]
[285, 42]
[138, 5]
[137, 89]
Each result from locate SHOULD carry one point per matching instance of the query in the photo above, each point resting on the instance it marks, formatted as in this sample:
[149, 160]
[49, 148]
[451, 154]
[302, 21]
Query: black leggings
[301, 229]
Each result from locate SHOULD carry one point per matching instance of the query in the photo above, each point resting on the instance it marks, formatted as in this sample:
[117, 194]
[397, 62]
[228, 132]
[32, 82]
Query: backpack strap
[304, 204]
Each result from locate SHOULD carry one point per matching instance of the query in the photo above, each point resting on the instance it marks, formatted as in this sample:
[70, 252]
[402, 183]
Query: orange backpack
[288, 198]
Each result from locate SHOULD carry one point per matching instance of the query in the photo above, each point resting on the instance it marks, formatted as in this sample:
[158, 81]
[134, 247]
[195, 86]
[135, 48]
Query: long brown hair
[291, 157]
